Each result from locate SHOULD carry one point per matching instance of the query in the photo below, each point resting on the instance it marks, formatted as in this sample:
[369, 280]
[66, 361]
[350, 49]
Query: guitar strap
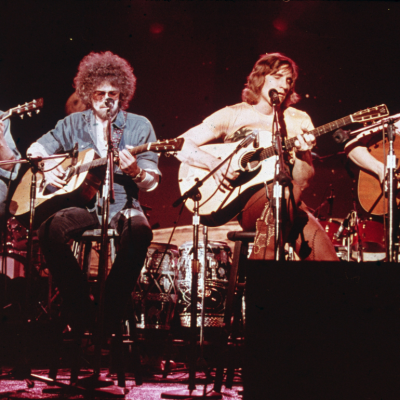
[117, 135]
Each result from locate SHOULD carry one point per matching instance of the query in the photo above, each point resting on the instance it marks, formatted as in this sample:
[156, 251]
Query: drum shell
[331, 227]
[155, 294]
[371, 236]
[215, 282]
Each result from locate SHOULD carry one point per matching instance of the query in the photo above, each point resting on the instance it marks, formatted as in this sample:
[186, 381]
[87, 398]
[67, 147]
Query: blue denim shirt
[78, 128]
[4, 174]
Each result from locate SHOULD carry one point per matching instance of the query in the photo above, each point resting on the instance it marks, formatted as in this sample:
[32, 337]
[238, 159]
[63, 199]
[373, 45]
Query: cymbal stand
[391, 166]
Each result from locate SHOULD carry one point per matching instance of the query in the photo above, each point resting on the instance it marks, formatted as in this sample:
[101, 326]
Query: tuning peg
[22, 116]
[37, 111]
[29, 113]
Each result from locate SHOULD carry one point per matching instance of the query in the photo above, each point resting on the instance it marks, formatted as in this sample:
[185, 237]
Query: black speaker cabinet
[322, 331]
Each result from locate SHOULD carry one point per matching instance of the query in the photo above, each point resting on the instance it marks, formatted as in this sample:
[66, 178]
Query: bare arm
[193, 155]
[303, 169]
[362, 158]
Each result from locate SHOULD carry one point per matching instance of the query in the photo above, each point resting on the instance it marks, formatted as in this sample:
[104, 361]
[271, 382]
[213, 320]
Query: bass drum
[155, 294]
[216, 282]
[369, 242]
[15, 264]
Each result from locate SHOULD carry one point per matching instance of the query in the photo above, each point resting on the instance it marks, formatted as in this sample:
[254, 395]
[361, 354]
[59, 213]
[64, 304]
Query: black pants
[135, 237]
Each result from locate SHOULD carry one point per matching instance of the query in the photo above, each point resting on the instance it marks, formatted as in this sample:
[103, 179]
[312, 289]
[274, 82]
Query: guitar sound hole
[251, 160]
[49, 189]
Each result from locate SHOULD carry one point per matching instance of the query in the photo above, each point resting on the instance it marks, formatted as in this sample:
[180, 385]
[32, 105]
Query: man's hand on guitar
[127, 163]
[305, 142]
[222, 175]
[55, 176]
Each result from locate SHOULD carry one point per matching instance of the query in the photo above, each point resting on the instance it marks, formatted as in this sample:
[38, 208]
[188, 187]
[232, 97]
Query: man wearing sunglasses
[100, 77]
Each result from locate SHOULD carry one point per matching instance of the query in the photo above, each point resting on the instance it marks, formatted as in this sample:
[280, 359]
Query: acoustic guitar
[83, 182]
[369, 189]
[27, 108]
[255, 167]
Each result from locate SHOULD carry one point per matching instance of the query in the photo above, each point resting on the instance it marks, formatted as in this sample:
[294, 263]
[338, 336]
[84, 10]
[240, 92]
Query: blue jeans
[135, 237]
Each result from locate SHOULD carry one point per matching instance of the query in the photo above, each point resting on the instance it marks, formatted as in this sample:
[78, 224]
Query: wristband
[137, 177]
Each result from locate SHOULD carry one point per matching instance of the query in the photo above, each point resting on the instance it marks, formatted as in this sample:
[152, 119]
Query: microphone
[344, 224]
[274, 96]
[109, 102]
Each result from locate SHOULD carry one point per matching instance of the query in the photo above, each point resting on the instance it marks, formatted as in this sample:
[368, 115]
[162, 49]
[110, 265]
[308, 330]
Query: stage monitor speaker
[322, 331]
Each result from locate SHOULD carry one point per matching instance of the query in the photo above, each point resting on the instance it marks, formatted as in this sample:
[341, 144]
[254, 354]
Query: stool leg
[86, 258]
[118, 356]
[168, 355]
[112, 248]
[219, 375]
[137, 366]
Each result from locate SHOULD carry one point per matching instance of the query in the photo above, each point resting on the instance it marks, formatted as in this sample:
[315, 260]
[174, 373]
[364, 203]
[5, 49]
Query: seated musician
[271, 71]
[8, 151]
[100, 76]
[367, 152]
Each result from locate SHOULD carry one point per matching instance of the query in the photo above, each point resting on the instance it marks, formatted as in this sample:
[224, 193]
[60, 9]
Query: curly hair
[96, 68]
[268, 64]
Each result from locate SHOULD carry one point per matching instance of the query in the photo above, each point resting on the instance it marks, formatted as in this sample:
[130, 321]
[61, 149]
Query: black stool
[82, 248]
[240, 257]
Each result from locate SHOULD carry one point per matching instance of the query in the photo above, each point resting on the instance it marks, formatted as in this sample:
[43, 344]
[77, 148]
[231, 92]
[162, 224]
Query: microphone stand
[36, 164]
[277, 185]
[391, 166]
[195, 195]
[107, 197]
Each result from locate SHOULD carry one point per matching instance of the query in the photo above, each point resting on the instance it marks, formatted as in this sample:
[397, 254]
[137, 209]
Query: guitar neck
[103, 161]
[289, 143]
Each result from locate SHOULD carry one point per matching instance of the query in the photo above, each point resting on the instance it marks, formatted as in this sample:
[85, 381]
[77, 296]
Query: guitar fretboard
[289, 143]
[90, 165]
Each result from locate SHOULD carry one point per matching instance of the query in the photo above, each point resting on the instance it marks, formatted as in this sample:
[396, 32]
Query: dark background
[192, 58]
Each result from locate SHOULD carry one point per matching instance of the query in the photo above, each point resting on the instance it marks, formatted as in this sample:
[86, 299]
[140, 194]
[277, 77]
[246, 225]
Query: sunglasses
[98, 95]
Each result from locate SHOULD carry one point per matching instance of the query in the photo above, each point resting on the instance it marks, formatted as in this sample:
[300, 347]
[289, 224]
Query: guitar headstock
[169, 146]
[370, 114]
[27, 108]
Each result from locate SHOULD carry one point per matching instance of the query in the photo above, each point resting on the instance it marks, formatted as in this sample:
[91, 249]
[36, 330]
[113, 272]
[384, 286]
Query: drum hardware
[214, 272]
[155, 294]
[391, 166]
[360, 240]
[194, 194]
[328, 200]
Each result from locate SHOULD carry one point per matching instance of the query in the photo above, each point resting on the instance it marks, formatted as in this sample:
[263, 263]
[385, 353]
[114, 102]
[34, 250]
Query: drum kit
[16, 251]
[164, 285]
[356, 240]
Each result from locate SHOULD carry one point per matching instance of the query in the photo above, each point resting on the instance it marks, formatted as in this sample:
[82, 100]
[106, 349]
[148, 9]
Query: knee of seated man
[51, 232]
[138, 231]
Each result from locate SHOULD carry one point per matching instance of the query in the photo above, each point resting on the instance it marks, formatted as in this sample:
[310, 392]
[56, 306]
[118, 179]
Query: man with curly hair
[100, 76]
[271, 72]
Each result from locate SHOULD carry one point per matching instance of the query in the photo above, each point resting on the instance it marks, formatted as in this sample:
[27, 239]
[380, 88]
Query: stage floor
[150, 390]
